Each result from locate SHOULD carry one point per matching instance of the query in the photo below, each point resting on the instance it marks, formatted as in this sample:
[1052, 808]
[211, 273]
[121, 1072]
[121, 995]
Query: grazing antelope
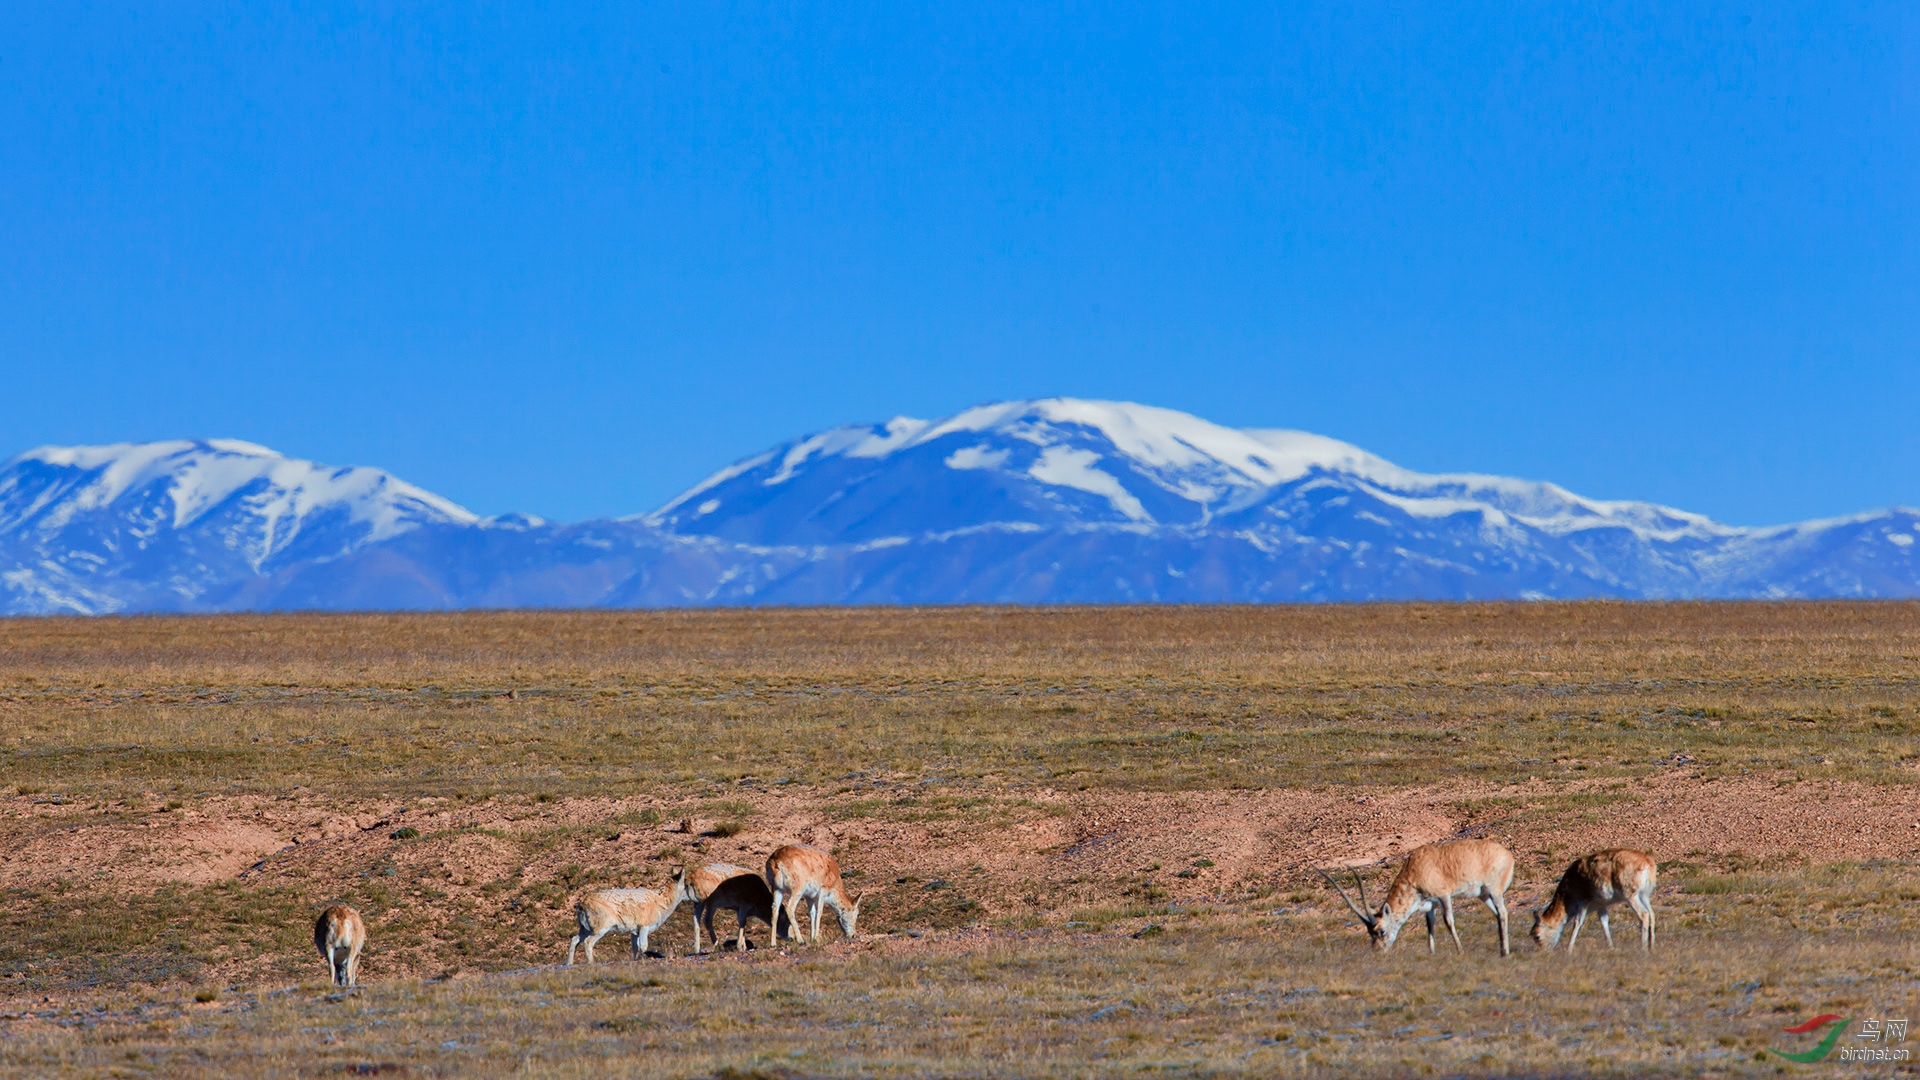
[1596, 883]
[704, 881]
[797, 872]
[638, 912]
[340, 935]
[748, 897]
[1432, 878]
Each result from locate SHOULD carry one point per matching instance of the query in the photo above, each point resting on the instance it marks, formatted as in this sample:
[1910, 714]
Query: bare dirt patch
[1053, 854]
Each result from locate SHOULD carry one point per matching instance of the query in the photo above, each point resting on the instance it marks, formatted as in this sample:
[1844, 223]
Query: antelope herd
[1428, 882]
[1434, 876]
[795, 874]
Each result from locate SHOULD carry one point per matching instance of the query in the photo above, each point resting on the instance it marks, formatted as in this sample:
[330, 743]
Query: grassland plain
[1089, 835]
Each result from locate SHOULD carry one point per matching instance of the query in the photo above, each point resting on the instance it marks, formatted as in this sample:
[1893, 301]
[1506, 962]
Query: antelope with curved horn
[1594, 884]
[1431, 879]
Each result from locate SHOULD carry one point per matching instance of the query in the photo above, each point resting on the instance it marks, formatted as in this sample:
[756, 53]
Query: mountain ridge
[1047, 501]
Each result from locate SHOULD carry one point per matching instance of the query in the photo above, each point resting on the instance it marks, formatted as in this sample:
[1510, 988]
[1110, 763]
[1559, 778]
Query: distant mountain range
[1055, 501]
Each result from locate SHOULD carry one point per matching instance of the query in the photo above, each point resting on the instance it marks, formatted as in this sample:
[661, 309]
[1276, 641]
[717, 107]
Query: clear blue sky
[567, 259]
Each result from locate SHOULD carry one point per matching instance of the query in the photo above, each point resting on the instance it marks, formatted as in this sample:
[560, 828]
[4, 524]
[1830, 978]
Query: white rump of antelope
[637, 912]
[1594, 884]
[1431, 879]
[340, 934]
[797, 873]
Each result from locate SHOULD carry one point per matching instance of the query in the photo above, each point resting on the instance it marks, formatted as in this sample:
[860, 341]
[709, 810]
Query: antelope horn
[1361, 884]
[1357, 909]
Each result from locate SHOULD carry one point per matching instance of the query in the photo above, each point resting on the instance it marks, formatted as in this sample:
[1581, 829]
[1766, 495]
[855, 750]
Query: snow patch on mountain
[1068, 466]
[976, 457]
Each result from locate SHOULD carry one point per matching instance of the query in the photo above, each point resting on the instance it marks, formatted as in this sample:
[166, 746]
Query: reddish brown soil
[1058, 837]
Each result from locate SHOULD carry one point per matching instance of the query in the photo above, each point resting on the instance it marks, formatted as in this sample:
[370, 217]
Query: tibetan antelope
[796, 873]
[637, 912]
[1433, 877]
[340, 935]
[709, 879]
[747, 896]
[1594, 884]
[704, 881]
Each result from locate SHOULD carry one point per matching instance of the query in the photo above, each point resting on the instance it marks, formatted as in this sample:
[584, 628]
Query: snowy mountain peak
[1060, 442]
[1072, 462]
[1154, 437]
[189, 510]
[199, 476]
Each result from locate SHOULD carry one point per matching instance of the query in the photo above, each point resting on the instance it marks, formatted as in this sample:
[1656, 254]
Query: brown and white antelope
[797, 872]
[1594, 884]
[637, 912]
[748, 897]
[1431, 879]
[340, 934]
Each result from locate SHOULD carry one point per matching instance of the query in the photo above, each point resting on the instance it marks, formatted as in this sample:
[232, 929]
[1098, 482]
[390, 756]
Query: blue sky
[567, 259]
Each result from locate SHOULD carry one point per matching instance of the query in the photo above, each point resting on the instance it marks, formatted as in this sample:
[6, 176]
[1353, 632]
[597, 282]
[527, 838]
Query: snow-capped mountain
[1066, 462]
[176, 525]
[1051, 501]
[1065, 499]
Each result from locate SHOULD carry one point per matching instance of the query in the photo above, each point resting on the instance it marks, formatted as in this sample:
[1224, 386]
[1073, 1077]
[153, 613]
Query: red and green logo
[1836, 1026]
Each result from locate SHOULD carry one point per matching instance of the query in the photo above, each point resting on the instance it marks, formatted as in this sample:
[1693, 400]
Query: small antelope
[638, 912]
[1433, 877]
[704, 881]
[340, 935]
[748, 897]
[1596, 883]
[797, 872]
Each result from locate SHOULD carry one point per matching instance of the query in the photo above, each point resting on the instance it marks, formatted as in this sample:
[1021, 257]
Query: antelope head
[849, 915]
[1377, 929]
[1547, 925]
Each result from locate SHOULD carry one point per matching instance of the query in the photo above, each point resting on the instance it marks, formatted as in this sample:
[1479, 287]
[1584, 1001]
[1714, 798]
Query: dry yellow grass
[1026, 789]
[1146, 698]
[1224, 997]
